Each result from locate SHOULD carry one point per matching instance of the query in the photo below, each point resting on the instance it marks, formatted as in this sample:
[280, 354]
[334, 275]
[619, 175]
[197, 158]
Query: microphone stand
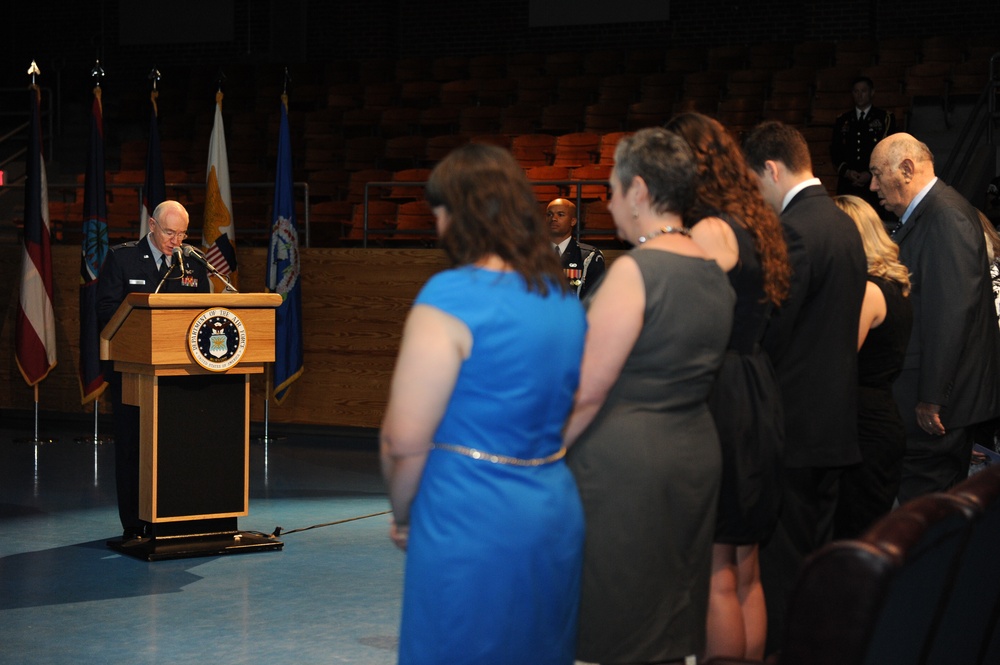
[164, 279]
[191, 251]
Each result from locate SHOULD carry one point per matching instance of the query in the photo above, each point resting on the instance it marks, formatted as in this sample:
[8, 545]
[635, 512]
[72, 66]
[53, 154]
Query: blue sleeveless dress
[495, 549]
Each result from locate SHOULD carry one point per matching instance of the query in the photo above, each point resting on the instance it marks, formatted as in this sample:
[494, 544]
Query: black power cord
[278, 530]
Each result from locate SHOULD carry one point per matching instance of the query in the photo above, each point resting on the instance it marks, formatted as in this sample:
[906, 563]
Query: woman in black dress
[867, 491]
[731, 221]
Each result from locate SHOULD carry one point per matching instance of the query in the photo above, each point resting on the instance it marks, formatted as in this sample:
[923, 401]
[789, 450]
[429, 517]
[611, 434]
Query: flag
[95, 248]
[218, 234]
[154, 191]
[283, 269]
[35, 329]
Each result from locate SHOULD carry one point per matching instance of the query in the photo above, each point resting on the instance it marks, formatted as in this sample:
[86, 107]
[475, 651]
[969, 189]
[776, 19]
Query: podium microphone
[179, 259]
[188, 250]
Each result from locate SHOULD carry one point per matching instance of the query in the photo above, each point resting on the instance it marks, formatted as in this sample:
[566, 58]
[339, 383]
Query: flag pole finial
[97, 73]
[34, 71]
[155, 77]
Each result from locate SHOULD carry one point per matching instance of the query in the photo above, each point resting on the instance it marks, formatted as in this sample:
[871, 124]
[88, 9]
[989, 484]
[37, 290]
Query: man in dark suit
[951, 374]
[582, 263]
[141, 266]
[813, 341]
[855, 134]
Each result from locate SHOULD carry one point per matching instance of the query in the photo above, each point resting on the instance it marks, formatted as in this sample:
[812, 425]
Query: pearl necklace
[662, 230]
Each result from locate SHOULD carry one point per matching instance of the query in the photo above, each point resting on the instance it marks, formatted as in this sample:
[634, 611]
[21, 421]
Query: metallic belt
[501, 459]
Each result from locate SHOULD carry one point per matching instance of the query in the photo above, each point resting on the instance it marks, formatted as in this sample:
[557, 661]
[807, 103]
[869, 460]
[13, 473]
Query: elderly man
[813, 342]
[951, 375]
[141, 266]
[582, 263]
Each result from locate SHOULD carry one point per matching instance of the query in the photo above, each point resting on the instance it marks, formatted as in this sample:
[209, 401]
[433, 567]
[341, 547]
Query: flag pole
[34, 376]
[95, 247]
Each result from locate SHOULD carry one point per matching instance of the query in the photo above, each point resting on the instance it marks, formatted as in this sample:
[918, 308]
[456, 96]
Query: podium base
[195, 545]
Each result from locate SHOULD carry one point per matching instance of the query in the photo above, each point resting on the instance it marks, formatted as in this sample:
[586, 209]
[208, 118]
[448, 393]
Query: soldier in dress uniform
[855, 134]
[582, 263]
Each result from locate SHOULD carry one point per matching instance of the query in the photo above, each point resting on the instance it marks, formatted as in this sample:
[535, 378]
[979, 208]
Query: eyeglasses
[169, 233]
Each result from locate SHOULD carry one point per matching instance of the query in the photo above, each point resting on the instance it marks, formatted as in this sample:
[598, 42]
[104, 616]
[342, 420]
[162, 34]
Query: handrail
[567, 183]
[139, 187]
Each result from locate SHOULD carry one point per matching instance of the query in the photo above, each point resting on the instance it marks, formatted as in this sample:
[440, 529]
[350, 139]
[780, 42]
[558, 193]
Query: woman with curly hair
[734, 225]
[867, 491]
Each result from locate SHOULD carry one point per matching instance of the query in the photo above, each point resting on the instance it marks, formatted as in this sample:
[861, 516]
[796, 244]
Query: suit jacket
[131, 268]
[813, 337]
[584, 266]
[953, 358]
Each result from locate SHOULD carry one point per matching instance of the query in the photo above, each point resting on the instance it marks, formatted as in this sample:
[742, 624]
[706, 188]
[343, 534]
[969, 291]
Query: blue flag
[155, 189]
[283, 269]
[95, 248]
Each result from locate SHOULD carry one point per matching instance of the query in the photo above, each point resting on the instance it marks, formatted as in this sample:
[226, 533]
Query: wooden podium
[186, 361]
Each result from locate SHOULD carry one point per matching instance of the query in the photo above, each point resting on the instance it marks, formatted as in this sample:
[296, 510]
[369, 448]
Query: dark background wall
[66, 38]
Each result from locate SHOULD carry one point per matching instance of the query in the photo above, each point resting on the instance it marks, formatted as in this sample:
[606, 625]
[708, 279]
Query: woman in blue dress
[471, 443]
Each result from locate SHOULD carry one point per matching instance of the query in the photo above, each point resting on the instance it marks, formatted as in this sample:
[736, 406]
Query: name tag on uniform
[137, 281]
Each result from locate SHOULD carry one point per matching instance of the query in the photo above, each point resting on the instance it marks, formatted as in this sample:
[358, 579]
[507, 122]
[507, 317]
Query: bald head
[561, 216]
[901, 166]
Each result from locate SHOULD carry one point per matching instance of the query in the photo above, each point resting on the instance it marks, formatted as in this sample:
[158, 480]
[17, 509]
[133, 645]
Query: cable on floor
[279, 532]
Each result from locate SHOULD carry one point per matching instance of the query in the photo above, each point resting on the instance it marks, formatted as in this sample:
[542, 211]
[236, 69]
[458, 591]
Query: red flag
[35, 330]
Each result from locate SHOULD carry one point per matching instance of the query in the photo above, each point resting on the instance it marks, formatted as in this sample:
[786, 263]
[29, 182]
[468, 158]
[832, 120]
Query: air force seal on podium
[217, 339]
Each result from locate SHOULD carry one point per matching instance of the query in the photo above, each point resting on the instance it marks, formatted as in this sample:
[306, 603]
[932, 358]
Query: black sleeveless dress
[746, 405]
[868, 490]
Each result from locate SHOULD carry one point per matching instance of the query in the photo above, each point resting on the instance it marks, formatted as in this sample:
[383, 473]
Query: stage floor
[330, 595]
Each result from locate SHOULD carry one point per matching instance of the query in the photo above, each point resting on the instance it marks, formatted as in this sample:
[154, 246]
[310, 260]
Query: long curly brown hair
[727, 187]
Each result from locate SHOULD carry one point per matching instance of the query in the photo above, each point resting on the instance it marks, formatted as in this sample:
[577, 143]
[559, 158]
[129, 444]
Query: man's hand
[929, 418]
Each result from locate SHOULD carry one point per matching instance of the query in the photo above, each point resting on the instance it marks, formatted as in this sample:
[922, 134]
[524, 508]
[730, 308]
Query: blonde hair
[881, 252]
[992, 237]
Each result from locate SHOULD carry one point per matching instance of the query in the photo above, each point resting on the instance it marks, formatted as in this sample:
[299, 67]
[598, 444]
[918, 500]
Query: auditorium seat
[606, 148]
[576, 149]
[814, 53]
[474, 120]
[770, 55]
[327, 184]
[605, 116]
[459, 93]
[401, 191]
[789, 109]
[904, 51]
[408, 151]
[487, 66]
[927, 80]
[420, 94]
[593, 191]
[564, 63]
[533, 149]
[449, 68]
[329, 222]
[500, 140]
[439, 146]
[949, 49]
[969, 631]
[399, 121]
[521, 118]
[754, 82]
[685, 59]
[727, 57]
[602, 62]
[579, 88]
[621, 87]
[858, 52]
[652, 113]
[525, 64]
[543, 182]
[539, 89]
[415, 222]
[363, 152]
[644, 61]
[596, 220]
[562, 117]
[357, 184]
[793, 80]
[438, 120]
[661, 86]
[377, 225]
[497, 91]
[412, 68]
[836, 79]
